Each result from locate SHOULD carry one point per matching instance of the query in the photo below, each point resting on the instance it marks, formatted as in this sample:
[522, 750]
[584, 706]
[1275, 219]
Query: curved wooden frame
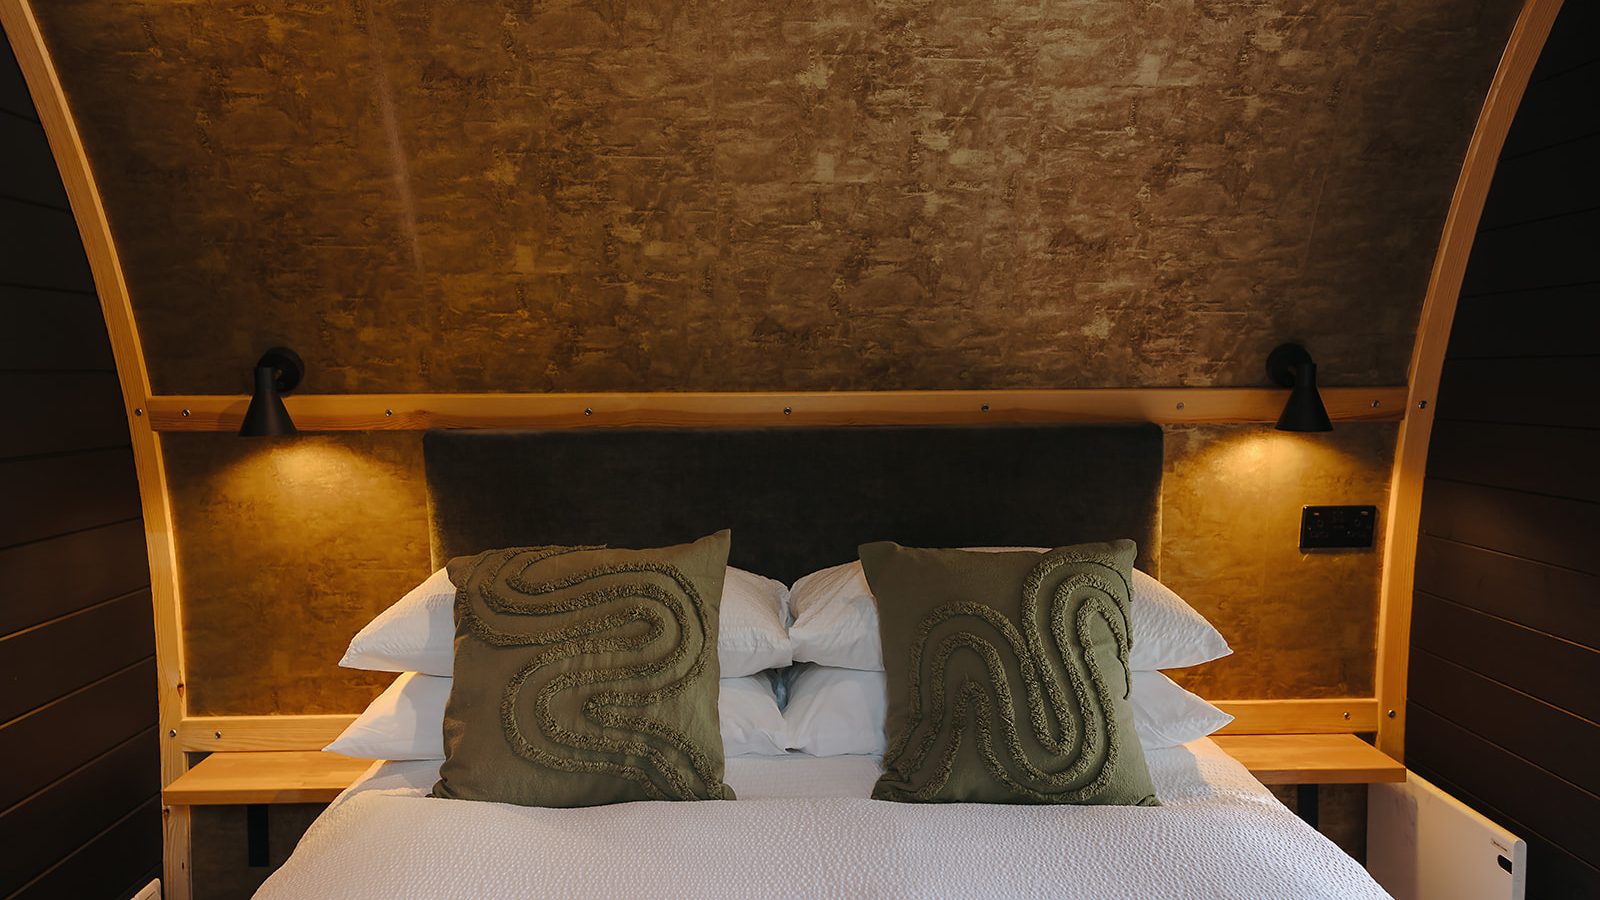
[22, 29]
[1427, 362]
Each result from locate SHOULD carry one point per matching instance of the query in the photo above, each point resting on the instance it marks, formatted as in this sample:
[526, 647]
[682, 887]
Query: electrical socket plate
[1329, 527]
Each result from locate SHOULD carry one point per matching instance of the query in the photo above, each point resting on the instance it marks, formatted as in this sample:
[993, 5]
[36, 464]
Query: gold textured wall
[675, 194]
[680, 194]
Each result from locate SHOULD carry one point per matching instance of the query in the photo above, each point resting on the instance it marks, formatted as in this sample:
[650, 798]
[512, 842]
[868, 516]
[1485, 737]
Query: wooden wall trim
[1427, 361]
[22, 30]
[1343, 715]
[383, 412]
[1338, 715]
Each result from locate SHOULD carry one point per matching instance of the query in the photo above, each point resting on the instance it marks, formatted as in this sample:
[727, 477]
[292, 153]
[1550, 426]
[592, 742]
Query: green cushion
[586, 676]
[1008, 675]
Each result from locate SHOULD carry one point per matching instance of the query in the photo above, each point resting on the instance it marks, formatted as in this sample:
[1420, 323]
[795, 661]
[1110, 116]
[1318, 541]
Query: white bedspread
[804, 828]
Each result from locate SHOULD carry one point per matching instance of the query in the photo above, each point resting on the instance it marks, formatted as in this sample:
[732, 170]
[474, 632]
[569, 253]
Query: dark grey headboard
[797, 499]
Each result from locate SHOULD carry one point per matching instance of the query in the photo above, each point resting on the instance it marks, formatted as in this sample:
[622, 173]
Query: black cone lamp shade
[1291, 366]
[277, 373]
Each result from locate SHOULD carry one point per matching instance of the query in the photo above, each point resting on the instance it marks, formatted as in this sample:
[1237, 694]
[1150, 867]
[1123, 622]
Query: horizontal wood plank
[1311, 759]
[1571, 43]
[1555, 181]
[77, 728]
[1565, 812]
[64, 494]
[14, 97]
[50, 825]
[1340, 715]
[1569, 317]
[1546, 117]
[1541, 253]
[1558, 672]
[113, 864]
[378, 412]
[75, 651]
[50, 331]
[1534, 458]
[1554, 740]
[1541, 597]
[246, 733]
[39, 247]
[1557, 392]
[29, 172]
[303, 776]
[68, 573]
[62, 412]
[1551, 530]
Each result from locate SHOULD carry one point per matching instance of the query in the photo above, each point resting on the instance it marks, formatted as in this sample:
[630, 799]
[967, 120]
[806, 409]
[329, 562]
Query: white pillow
[1166, 715]
[407, 720]
[836, 623]
[417, 633]
[833, 712]
[751, 722]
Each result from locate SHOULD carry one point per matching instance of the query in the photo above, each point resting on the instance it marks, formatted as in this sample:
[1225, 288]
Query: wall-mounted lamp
[1291, 366]
[277, 373]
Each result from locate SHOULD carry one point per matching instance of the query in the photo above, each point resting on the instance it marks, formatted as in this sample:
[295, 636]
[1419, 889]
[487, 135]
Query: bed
[798, 499]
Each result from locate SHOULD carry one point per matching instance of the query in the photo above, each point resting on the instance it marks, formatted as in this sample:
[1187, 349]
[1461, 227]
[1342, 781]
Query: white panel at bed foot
[1423, 844]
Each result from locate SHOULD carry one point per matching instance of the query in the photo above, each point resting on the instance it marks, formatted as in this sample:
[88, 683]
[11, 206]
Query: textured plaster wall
[680, 194]
[741, 195]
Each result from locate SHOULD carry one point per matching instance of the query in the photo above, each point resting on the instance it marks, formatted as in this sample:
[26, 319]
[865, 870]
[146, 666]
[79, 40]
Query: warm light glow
[305, 476]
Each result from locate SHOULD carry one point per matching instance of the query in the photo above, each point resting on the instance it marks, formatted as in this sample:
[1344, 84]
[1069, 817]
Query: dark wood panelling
[41, 664]
[58, 412]
[1540, 459]
[52, 331]
[67, 573]
[1558, 180]
[79, 727]
[1573, 44]
[1559, 391]
[1566, 814]
[66, 493]
[1569, 319]
[1553, 530]
[1551, 114]
[1545, 598]
[47, 827]
[1550, 738]
[39, 248]
[1553, 873]
[1557, 671]
[1541, 253]
[14, 99]
[29, 172]
[80, 805]
[114, 864]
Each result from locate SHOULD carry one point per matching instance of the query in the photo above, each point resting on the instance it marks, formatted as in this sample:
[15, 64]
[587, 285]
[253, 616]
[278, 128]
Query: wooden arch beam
[50, 102]
[1427, 362]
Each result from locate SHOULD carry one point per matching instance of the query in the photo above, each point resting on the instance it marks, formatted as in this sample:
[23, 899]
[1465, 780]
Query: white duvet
[804, 828]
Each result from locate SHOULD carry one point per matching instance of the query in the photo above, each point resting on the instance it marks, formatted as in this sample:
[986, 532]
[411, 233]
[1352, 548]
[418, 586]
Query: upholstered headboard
[797, 499]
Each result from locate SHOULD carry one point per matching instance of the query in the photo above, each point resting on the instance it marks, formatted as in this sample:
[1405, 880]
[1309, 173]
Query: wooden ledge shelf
[1311, 758]
[275, 776]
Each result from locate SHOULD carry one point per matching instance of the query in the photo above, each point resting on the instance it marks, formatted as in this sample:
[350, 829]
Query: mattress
[804, 827]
